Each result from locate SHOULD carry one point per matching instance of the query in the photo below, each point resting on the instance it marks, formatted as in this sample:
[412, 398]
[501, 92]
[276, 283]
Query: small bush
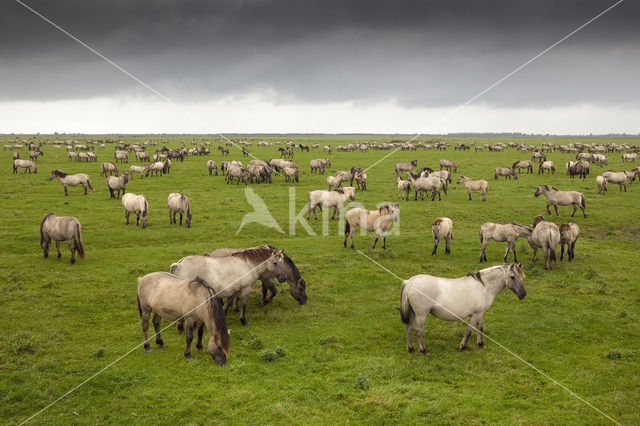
[327, 340]
[99, 353]
[614, 354]
[253, 341]
[362, 383]
[270, 355]
[341, 394]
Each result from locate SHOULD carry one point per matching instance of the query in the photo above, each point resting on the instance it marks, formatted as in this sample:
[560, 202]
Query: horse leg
[513, 250]
[375, 241]
[384, 241]
[145, 328]
[562, 251]
[484, 195]
[45, 246]
[170, 221]
[467, 332]
[408, 331]
[448, 241]
[435, 247]
[188, 331]
[480, 331]
[180, 218]
[470, 195]
[73, 252]
[268, 291]
[572, 252]
[85, 189]
[243, 309]
[65, 190]
[156, 326]
[420, 320]
[200, 333]
[545, 252]
[483, 255]
[126, 216]
[351, 232]
[506, 252]
[228, 303]
[58, 247]
[111, 193]
[574, 209]
[548, 211]
[555, 207]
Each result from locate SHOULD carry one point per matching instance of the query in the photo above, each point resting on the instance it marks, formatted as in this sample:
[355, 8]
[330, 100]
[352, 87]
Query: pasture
[341, 357]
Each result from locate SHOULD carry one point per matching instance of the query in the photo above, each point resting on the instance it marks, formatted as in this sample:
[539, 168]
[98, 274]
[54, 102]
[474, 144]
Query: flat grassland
[345, 358]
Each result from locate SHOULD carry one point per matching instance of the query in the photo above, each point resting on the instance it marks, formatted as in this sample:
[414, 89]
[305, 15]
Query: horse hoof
[199, 347]
[147, 350]
[245, 322]
[162, 345]
[482, 345]
[189, 357]
[463, 348]
[411, 350]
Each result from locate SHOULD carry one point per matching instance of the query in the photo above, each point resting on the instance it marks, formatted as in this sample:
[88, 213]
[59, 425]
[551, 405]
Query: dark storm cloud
[427, 53]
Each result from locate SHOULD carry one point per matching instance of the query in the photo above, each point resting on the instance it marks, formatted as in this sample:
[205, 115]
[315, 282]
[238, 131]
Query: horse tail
[480, 235]
[347, 227]
[582, 202]
[78, 240]
[89, 184]
[139, 306]
[43, 238]
[174, 267]
[405, 306]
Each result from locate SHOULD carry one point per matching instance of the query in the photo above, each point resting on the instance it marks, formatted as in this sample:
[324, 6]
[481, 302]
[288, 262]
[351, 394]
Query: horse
[507, 172]
[448, 164]
[108, 169]
[34, 155]
[66, 179]
[26, 164]
[548, 166]
[334, 182]
[617, 177]
[157, 167]
[404, 188]
[61, 228]
[333, 199]
[371, 220]
[290, 174]
[137, 204]
[456, 299]
[523, 164]
[508, 233]
[138, 169]
[212, 167]
[629, 157]
[569, 233]
[178, 203]
[431, 183]
[233, 276]
[562, 198]
[223, 150]
[319, 164]
[441, 228]
[191, 300]
[601, 182]
[361, 181]
[122, 156]
[120, 184]
[580, 168]
[546, 236]
[406, 167]
[475, 185]
[297, 284]
[537, 155]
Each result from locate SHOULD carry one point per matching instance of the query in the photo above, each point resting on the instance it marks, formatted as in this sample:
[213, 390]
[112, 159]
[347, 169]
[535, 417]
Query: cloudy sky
[321, 66]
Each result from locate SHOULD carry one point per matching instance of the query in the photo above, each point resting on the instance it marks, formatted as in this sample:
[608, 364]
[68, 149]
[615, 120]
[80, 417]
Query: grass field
[345, 358]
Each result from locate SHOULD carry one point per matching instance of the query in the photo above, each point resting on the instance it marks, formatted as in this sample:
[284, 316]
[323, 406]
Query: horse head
[539, 191]
[514, 280]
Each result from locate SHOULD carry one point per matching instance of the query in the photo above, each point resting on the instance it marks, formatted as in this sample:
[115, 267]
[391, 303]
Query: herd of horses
[199, 289]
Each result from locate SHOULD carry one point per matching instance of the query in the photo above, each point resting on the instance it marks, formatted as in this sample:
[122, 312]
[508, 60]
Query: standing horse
[406, 167]
[115, 183]
[456, 299]
[212, 167]
[569, 233]
[404, 188]
[441, 228]
[371, 220]
[26, 164]
[556, 197]
[523, 164]
[601, 182]
[335, 199]
[61, 228]
[137, 204]
[548, 166]
[619, 178]
[190, 300]
[234, 275]
[449, 165]
[66, 179]
[297, 284]
[475, 185]
[545, 236]
[108, 169]
[178, 203]
[507, 172]
[508, 233]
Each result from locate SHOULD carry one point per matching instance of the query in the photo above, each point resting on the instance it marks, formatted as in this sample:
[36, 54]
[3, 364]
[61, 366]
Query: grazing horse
[157, 167]
[441, 228]
[619, 178]
[569, 233]
[546, 236]
[190, 300]
[115, 183]
[601, 181]
[335, 182]
[212, 167]
[475, 185]
[523, 164]
[426, 184]
[448, 164]
[137, 204]
[580, 168]
[406, 167]
[404, 188]
[562, 198]
[508, 233]
[178, 203]
[234, 275]
[378, 221]
[122, 156]
[507, 172]
[297, 284]
[223, 150]
[138, 169]
[548, 166]
[66, 179]
[26, 164]
[108, 169]
[456, 299]
[61, 228]
[335, 199]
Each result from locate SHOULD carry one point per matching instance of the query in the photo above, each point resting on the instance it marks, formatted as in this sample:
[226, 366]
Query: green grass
[341, 357]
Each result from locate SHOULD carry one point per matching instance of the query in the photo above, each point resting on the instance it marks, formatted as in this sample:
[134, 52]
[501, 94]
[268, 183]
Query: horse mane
[514, 164]
[528, 228]
[476, 276]
[340, 190]
[296, 273]
[59, 173]
[564, 227]
[552, 188]
[259, 253]
[438, 221]
[215, 310]
[385, 207]
[537, 220]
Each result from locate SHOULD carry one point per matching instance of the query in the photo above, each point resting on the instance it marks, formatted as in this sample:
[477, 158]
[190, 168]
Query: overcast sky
[321, 66]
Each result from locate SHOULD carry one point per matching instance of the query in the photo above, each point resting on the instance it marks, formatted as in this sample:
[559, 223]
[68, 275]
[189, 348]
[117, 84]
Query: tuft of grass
[327, 340]
[614, 354]
[22, 343]
[362, 383]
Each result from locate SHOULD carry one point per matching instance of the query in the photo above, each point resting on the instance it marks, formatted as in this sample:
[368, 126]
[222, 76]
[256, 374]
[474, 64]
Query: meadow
[341, 357]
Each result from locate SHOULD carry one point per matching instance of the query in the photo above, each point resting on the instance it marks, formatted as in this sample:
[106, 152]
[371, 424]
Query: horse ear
[519, 265]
